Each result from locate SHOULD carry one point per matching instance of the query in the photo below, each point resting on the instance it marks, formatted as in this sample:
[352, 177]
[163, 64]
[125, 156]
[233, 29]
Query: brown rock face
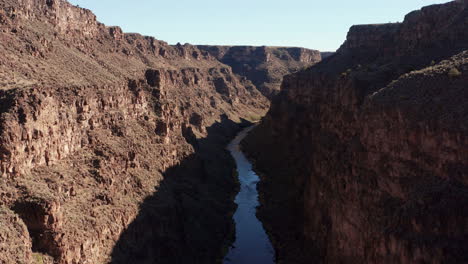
[366, 152]
[103, 132]
[264, 66]
[14, 231]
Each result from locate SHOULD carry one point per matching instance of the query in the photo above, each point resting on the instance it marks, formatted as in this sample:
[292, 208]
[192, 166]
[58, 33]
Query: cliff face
[264, 66]
[92, 120]
[366, 152]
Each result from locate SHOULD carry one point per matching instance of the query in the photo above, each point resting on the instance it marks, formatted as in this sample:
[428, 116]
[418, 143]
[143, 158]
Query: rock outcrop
[264, 66]
[365, 155]
[94, 123]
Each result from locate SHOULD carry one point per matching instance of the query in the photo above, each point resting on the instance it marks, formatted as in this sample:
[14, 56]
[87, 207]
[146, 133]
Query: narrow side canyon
[364, 156]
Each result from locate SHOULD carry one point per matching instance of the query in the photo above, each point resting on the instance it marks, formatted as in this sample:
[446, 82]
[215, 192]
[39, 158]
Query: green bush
[38, 258]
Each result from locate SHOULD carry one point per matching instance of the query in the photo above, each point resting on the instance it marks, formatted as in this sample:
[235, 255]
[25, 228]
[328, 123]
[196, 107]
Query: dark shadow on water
[189, 217]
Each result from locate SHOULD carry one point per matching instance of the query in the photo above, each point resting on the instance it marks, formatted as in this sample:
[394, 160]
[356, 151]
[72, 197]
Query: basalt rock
[92, 119]
[15, 243]
[264, 66]
[364, 155]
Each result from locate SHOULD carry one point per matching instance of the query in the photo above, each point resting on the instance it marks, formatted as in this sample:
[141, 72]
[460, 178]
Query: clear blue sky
[307, 23]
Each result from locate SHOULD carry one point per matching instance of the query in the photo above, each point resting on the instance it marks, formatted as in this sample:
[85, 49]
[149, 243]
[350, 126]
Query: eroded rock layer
[105, 134]
[365, 155]
[264, 66]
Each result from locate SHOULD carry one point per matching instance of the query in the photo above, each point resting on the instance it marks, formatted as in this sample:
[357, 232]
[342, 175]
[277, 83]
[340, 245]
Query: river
[252, 245]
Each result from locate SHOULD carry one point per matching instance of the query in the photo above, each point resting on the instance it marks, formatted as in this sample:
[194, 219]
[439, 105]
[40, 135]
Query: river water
[252, 245]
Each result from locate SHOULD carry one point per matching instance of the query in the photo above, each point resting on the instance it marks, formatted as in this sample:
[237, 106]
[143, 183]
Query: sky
[321, 25]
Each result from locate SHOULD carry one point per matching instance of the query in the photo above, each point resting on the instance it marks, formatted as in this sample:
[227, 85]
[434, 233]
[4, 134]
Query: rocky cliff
[264, 66]
[364, 155]
[99, 129]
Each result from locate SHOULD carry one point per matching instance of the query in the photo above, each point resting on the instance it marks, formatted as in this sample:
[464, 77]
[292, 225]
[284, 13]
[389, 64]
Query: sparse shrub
[38, 258]
[454, 72]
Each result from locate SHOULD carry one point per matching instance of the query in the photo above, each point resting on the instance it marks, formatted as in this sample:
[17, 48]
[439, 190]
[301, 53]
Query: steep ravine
[112, 144]
[251, 244]
[363, 157]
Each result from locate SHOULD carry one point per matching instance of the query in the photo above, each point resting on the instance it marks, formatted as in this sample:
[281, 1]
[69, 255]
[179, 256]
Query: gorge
[252, 244]
[113, 144]
[364, 155]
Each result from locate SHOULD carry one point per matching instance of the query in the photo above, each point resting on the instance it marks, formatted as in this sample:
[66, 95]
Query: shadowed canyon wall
[364, 156]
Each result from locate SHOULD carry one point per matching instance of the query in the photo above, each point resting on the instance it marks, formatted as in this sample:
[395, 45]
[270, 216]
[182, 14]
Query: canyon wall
[326, 54]
[364, 156]
[99, 129]
[264, 66]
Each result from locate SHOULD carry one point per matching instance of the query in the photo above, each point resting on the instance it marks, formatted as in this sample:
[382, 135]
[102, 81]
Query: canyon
[265, 66]
[252, 244]
[113, 144]
[364, 156]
